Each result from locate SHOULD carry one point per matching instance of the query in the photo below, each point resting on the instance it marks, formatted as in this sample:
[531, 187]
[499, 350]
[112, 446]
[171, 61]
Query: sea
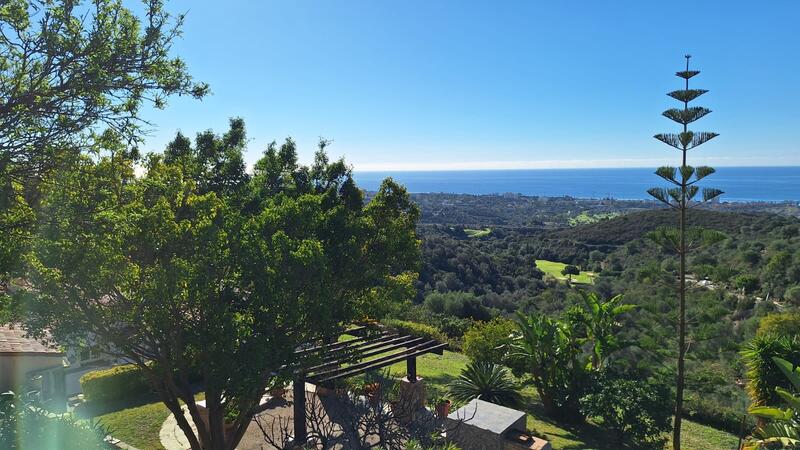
[740, 184]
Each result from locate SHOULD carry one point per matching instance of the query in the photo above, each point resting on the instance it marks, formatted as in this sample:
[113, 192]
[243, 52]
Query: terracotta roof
[13, 341]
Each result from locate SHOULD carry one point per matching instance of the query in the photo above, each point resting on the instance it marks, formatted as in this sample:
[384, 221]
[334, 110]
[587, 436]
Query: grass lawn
[477, 233]
[554, 269]
[138, 424]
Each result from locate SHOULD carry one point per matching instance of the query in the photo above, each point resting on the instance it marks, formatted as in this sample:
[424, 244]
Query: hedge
[116, 383]
[416, 329]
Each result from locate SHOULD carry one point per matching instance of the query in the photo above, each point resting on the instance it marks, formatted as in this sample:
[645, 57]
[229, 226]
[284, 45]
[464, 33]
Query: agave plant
[488, 382]
[782, 427]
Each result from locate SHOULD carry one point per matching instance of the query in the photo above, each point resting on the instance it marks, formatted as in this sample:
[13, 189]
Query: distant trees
[196, 267]
[681, 197]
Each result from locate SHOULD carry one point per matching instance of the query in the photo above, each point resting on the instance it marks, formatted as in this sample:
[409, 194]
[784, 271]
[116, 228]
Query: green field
[554, 269]
[477, 233]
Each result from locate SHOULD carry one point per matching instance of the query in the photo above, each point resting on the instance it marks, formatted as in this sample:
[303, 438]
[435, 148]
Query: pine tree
[682, 196]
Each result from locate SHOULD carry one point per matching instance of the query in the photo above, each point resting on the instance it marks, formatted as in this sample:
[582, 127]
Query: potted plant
[442, 406]
[278, 389]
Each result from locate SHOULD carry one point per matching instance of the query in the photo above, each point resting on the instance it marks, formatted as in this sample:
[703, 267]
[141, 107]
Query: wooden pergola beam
[403, 341]
[431, 346]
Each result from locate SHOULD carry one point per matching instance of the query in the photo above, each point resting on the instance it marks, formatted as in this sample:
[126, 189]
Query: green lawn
[554, 269]
[137, 424]
[477, 233]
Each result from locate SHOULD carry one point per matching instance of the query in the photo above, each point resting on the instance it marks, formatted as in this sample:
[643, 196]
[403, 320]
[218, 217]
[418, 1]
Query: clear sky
[433, 84]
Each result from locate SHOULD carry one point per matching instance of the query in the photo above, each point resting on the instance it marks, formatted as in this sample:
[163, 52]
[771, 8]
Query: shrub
[748, 283]
[631, 408]
[113, 384]
[792, 294]
[485, 381]
[780, 324]
[416, 329]
[485, 341]
[762, 373]
[24, 425]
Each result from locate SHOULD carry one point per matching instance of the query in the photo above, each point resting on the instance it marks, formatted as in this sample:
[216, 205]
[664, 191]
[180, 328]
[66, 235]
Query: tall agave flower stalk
[681, 196]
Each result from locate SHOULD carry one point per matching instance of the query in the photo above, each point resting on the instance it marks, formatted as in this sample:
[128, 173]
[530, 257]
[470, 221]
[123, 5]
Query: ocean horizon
[740, 184]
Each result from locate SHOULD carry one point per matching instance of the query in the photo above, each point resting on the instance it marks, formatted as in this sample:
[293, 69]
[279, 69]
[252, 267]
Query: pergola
[371, 348]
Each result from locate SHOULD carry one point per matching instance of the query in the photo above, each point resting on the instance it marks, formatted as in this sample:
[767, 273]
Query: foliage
[601, 324]
[747, 283]
[570, 270]
[783, 425]
[763, 376]
[415, 329]
[488, 341]
[458, 304]
[633, 409]
[786, 323]
[548, 353]
[115, 383]
[488, 382]
[681, 196]
[74, 77]
[199, 267]
[24, 425]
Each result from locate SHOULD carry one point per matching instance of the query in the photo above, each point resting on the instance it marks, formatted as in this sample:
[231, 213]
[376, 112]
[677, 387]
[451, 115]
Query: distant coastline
[741, 184]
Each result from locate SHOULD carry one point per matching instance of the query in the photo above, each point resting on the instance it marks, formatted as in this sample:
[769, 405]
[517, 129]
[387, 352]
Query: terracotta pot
[277, 392]
[443, 409]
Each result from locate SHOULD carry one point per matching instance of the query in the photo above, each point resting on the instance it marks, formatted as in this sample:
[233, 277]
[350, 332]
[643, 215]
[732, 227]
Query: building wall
[15, 367]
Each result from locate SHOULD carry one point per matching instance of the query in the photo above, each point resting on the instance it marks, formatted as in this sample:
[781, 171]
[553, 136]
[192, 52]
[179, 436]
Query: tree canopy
[73, 78]
[197, 267]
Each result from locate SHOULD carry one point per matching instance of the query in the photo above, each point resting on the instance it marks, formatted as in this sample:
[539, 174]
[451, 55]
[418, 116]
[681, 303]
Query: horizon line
[471, 168]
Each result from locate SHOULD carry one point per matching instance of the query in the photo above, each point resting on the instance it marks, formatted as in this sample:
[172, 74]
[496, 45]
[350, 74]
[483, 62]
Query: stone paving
[172, 437]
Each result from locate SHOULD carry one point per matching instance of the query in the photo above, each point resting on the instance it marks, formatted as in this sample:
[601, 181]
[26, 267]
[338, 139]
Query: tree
[601, 324]
[548, 353]
[633, 409]
[485, 381]
[681, 198]
[188, 269]
[73, 77]
[569, 271]
[488, 341]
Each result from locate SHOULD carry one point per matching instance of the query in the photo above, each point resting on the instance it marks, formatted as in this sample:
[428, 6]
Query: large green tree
[196, 267]
[74, 75]
[682, 196]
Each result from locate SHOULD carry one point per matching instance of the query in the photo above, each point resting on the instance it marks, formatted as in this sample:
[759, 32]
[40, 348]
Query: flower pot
[277, 392]
[443, 409]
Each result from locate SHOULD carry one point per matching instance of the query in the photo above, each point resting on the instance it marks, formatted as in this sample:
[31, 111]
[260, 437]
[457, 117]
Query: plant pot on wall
[443, 408]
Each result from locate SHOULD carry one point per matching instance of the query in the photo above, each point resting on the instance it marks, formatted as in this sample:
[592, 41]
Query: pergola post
[411, 369]
[299, 399]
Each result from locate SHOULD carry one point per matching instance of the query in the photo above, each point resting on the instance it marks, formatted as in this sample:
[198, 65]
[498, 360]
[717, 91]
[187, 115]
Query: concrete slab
[488, 416]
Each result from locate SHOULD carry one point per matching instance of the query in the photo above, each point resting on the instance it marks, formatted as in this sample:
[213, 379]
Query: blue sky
[427, 85]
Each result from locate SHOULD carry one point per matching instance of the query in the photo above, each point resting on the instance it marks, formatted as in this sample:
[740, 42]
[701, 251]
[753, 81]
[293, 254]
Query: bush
[488, 382]
[792, 294]
[711, 413]
[116, 383]
[484, 341]
[763, 375]
[416, 329]
[631, 408]
[24, 425]
[780, 324]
